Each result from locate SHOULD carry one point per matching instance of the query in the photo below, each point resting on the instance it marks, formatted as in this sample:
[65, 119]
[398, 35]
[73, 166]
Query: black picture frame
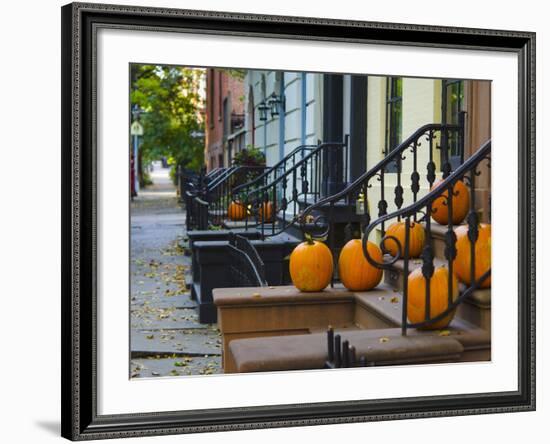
[79, 395]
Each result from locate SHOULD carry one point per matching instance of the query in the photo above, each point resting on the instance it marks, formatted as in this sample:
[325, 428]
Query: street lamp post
[136, 131]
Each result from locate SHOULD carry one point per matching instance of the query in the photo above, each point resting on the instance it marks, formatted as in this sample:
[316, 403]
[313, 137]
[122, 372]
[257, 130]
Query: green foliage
[169, 96]
[250, 156]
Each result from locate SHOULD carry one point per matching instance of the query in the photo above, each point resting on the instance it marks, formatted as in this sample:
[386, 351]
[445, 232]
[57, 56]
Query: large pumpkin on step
[416, 238]
[236, 210]
[265, 212]
[461, 204]
[311, 266]
[482, 251]
[355, 271]
[416, 301]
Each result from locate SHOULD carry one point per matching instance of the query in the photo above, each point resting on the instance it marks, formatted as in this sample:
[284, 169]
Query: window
[452, 107]
[211, 98]
[394, 116]
[220, 95]
[220, 160]
[226, 117]
[394, 112]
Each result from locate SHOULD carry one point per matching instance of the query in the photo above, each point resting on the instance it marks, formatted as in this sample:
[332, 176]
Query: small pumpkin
[311, 266]
[461, 204]
[416, 300]
[236, 210]
[482, 251]
[265, 212]
[416, 238]
[355, 271]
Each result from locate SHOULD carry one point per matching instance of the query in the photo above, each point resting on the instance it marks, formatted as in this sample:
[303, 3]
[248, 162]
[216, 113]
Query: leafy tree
[172, 115]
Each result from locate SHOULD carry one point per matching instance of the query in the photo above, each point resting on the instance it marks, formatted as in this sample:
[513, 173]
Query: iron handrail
[396, 157]
[220, 178]
[247, 267]
[310, 169]
[264, 177]
[467, 173]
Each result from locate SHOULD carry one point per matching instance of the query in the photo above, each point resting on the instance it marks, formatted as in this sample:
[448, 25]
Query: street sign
[136, 129]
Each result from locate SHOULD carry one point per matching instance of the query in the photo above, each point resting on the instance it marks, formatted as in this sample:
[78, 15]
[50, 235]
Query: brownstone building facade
[224, 117]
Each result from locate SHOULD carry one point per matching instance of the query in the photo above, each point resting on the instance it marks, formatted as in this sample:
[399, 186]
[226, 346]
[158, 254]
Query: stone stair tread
[277, 294]
[386, 303]
[243, 225]
[381, 346]
[278, 238]
[481, 298]
[439, 230]
[416, 262]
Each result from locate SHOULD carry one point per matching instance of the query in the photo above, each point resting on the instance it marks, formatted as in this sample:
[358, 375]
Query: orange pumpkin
[416, 238]
[236, 210]
[311, 266]
[355, 271]
[265, 211]
[461, 204]
[416, 301]
[482, 251]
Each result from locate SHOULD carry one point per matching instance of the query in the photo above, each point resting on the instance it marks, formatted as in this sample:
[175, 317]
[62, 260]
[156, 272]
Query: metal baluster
[332, 240]
[366, 204]
[427, 261]
[398, 189]
[430, 167]
[345, 354]
[348, 235]
[462, 123]
[446, 163]
[294, 192]
[450, 241]
[405, 276]
[284, 201]
[330, 343]
[415, 177]
[337, 351]
[472, 226]
[382, 204]
[273, 216]
[261, 207]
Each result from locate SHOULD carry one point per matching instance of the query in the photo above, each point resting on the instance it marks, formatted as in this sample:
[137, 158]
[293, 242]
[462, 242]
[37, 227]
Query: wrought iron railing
[422, 212]
[271, 173]
[215, 172]
[359, 199]
[246, 267]
[276, 205]
[196, 212]
[219, 193]
[341, 354]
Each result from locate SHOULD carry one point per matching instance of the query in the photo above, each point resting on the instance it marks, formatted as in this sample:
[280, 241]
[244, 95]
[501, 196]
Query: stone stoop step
[283, 313]
[379, 346]
[476, 308]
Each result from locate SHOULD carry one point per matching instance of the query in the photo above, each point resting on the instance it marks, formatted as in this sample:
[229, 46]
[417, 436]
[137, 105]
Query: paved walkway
[166, 337]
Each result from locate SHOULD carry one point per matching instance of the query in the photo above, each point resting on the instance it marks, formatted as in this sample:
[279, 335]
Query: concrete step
[438, 237]
[475, 309]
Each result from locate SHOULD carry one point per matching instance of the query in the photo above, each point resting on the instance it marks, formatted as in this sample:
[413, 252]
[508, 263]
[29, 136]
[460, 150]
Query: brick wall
[219, 86]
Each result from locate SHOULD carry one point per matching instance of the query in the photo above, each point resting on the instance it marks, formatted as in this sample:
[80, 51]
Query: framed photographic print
[277, 221]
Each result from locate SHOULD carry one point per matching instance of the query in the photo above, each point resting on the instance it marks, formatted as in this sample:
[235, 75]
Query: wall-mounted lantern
[262, 108]
[277, 104]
